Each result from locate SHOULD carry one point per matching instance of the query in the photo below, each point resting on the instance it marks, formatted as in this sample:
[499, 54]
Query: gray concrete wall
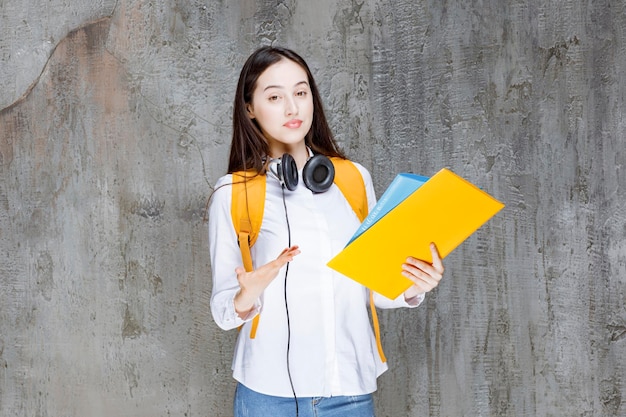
[115, 121]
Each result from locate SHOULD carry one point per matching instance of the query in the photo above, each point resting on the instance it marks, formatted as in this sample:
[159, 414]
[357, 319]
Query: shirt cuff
[414, 301]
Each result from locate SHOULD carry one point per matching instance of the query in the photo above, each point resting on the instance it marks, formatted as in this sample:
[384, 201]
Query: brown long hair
[249, 147]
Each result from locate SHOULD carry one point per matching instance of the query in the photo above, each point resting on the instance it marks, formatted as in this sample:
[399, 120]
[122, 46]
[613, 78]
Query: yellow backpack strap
[349, 180]
[248, 203]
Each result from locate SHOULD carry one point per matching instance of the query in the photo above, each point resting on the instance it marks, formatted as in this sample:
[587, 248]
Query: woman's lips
[293, 124]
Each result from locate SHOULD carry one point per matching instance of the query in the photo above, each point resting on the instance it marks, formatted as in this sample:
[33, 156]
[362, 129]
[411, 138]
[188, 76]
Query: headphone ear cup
[288, 172]
[318, 173]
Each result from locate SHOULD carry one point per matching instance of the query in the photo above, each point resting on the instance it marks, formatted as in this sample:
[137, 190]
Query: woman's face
[282, 105]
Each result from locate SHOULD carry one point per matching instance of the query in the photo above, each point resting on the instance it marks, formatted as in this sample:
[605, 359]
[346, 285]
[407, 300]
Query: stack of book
[413, 212]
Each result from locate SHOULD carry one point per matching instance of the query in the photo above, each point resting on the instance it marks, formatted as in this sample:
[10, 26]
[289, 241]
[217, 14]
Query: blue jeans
[250, 403]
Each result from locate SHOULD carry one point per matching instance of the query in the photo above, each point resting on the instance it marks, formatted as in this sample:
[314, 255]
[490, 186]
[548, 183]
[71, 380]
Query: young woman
[314, 353]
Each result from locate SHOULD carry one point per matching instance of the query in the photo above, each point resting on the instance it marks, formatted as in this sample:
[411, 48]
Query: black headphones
[318, 172]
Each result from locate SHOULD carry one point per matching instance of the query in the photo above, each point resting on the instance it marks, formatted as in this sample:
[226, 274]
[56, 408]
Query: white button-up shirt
[332, 346]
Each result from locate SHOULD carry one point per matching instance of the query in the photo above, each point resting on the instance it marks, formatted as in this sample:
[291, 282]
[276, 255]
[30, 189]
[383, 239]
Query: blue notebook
[402, 186]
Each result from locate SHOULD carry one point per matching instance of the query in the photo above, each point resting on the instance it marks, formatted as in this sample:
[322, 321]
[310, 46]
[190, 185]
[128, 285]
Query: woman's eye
[273, 98]
[301, 93]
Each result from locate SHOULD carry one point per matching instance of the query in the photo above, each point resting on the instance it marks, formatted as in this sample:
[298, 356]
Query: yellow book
[446, 210]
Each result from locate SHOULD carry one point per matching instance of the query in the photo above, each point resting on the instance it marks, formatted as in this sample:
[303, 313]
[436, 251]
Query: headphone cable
[287, 305]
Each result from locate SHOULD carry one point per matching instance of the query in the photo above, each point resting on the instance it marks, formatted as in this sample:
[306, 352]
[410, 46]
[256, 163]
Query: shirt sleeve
[383, 302]
[225, 257]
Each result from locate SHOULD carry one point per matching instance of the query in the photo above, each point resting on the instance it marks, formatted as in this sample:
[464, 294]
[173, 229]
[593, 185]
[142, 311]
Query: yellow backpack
[248, 203]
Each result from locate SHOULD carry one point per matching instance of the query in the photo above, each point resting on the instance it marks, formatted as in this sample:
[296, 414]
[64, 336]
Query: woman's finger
[420, 277]
[437, 261]
[413, 265]
[285, 256]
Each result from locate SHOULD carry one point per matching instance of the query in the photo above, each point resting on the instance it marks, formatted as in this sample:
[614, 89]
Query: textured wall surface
[115, 121]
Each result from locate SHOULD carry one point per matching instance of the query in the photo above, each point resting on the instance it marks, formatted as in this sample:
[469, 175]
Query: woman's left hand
[425, 276]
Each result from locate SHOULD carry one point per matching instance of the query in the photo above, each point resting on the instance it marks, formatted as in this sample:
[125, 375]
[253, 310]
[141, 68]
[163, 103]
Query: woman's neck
[300, 153]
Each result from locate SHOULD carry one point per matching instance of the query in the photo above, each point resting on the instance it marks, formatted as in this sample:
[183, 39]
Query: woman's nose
[291, 107]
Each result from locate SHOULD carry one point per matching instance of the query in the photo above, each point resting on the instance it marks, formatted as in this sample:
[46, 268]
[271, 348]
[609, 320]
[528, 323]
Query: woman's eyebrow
[282, 87]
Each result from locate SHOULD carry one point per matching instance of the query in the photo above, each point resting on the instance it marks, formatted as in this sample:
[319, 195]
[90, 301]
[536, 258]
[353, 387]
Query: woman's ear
[250, 110]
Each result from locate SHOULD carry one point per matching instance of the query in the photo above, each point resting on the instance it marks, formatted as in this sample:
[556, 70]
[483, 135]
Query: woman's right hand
[253, 283]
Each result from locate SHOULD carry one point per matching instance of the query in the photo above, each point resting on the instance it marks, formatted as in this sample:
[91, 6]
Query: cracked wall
[115, 121]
